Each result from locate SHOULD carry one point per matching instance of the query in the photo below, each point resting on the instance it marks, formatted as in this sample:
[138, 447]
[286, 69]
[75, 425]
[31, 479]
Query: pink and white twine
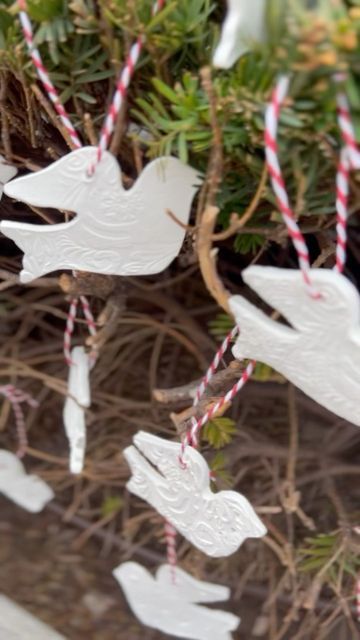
[349, 159]
[16, 397]
[191, 437]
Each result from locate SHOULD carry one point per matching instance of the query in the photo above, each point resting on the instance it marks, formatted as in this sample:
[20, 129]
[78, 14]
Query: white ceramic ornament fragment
[215, 523]
[7, 172]
[243, 25]
[170, 602]
[28, 491]
[116, 231]
[18, 624]
[320, 352]
[78, 399]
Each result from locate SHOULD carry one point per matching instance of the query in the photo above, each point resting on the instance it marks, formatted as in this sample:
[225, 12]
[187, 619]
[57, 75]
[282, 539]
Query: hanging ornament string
[43, 74]
[342, 196]
[16, 397]
[70, 323]
[271, 151]
[345, 124]
[107, 130]
[191, 437]
[349, 158]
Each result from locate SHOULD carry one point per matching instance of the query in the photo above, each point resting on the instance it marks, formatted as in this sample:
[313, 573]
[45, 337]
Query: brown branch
[45, 104]
[186, 393]
[207, 258]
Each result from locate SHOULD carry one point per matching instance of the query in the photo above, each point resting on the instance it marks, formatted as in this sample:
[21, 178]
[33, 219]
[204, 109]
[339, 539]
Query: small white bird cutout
[18, 624]
[320, 352]
[78, 399]
[171, 601]
[27, 491]
[243, 25]
[216, 523]
[115, 231]
[7, 172]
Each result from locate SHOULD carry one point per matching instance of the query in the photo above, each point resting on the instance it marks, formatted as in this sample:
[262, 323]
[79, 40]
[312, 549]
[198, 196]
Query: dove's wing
[165, 456]
[284, 290]
[188, 588]
[164, 184]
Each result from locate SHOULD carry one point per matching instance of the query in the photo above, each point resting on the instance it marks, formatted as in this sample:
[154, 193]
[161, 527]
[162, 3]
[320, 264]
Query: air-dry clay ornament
[18, 624]
[7, 172]
[78, 399]
[320, 352]
[216, 523]
[244, 24]
[28, 491]
[115, 231]
[171, 602]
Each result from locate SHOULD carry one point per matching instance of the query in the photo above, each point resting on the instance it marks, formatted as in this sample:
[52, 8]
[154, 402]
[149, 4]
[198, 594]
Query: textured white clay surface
[115, 231]
[28, 491]
[173, 608]
[18, 624]
[7, 172]
[78, 399]
[320, 352]
[216, 523]
[244, 24]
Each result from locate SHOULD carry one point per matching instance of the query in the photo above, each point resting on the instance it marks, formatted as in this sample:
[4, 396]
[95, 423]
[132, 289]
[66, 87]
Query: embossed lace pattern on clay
[116, 231]
[216, 523]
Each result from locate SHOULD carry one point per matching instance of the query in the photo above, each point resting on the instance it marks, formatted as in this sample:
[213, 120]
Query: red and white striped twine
[170, 537]
[346, 126]
[349, 159]
[70, 325]
[43, 74]
[342, 196]
[191, 437]
[16, 397]
[122, 86]
[214, 365]
[121, 90]
[271, 151]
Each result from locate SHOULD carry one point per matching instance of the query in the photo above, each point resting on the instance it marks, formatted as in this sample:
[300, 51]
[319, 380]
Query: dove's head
[68, 184]
[130, 575]
[285, 290]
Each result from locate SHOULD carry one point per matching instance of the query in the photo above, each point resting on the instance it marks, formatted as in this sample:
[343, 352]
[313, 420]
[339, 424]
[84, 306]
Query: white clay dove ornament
[78, 399]
[115, 231]
[243, 25]
[27, 491]
[320, 351]
[170, 602]
[18, 624]
[215, 523]
[7, 172]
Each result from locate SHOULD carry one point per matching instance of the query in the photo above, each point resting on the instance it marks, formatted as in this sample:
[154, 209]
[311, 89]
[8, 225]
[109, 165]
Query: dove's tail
[30, 238]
